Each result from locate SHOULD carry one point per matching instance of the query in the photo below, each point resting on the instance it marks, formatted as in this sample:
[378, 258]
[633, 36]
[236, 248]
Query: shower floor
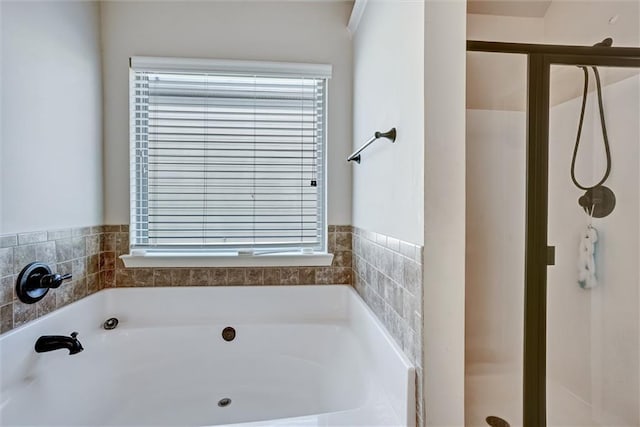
[490, 392]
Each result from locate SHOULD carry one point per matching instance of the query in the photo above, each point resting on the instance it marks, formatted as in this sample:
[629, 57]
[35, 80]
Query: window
[227, 156]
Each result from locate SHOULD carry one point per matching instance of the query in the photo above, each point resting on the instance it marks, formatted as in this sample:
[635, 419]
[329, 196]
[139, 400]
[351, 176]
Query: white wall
[499, 80]
[388, 92]
[576, 22]
[496, 176]
[516, 29]
[313, 32]
[561, 25]
[496, 172]
[444, 207]
[51, 170]
[409, 72]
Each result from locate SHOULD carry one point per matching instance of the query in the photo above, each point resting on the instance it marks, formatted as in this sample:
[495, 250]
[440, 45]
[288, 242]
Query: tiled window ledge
[164, 260]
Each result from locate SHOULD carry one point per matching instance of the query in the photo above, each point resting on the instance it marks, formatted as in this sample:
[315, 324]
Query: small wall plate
[25, 290]
[600, 200]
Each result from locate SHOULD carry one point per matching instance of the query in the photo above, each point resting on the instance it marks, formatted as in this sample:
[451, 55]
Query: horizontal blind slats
[227, 160]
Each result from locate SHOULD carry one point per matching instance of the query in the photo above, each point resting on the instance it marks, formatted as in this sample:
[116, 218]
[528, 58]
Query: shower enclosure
[553, 299]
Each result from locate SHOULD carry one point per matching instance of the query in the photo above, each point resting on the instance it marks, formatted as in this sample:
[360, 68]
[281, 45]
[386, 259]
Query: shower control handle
[52, 280]
[35, 280]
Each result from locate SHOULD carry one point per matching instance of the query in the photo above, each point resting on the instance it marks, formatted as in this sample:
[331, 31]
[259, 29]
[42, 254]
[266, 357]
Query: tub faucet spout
[54, 342]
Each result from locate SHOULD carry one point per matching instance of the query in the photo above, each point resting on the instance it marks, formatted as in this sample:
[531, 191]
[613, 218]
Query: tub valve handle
[35, 280]
[53, 280]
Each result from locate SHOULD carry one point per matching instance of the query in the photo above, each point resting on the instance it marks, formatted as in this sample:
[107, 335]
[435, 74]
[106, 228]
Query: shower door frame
[538, 255]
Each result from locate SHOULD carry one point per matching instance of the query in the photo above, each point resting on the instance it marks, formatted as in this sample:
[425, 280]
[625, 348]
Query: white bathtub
[302, 356]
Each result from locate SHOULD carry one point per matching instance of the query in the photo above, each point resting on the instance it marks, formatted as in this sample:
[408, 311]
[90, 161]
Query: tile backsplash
[388, 276]
[91, 254]
[114, 273]
[71, 250]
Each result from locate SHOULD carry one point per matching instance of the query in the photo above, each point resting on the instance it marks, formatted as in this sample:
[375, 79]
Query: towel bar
[391, 135]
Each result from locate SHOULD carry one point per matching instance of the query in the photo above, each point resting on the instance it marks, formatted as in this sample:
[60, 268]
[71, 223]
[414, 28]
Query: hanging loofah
[586, 258]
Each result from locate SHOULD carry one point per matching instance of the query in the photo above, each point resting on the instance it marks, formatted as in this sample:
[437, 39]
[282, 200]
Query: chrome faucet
[55, 342]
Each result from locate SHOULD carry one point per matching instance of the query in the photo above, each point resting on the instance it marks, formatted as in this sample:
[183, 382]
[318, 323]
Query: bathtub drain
[224, 402]
[228, 333]
[110, 323]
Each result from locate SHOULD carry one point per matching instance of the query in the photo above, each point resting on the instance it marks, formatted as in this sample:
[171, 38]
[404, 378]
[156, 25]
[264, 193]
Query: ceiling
[526, 8]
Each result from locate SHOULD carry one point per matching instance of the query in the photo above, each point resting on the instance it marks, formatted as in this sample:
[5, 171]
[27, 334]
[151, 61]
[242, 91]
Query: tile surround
[71, 250]
[387, 273]
[91, 254]
[114, 274]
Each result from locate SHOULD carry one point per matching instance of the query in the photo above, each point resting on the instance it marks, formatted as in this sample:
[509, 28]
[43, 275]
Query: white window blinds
[231, 158]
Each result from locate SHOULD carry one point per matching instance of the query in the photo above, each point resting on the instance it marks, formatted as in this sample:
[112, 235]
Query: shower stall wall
[593, 335]
[495, 179]
[541, 350]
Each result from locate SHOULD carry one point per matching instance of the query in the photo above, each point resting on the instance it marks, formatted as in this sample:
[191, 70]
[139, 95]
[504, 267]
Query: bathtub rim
[359, 317]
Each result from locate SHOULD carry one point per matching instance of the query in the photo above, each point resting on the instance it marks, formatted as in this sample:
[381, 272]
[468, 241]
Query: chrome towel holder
[390, 134]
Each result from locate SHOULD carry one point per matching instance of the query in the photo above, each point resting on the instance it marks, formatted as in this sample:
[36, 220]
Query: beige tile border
[387, 273]
[91, 254]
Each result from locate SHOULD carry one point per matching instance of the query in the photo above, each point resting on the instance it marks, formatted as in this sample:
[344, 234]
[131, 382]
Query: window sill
[226, 260]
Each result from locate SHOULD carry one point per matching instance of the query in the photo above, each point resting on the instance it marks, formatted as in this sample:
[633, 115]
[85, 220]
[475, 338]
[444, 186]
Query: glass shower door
[593, 297]
[496, 136]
